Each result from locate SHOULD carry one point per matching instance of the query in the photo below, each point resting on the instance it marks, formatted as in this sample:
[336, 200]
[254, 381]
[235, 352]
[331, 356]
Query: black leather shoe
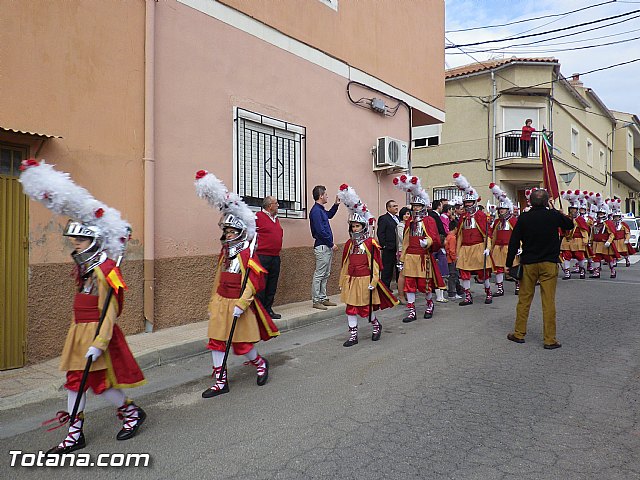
[553, 346]
[513, 338]
[81, 443]
[274, 315]
[350, 343]
[263, 379]
[376, 336]
[127, 434]
[427, 315]
[210, 392]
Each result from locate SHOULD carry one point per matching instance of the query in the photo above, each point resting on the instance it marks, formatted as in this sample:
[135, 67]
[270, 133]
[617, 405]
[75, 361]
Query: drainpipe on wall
[493, 130]
[149, 167]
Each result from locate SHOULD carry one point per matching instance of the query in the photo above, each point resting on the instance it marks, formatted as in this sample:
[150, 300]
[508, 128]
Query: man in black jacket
[388, 238]
[537, 230]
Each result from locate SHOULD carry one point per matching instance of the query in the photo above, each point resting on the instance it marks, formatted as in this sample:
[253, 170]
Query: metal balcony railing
[508, 145]
[636, 163]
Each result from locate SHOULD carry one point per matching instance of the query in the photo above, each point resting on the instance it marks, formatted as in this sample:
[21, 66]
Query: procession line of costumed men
[96, 355]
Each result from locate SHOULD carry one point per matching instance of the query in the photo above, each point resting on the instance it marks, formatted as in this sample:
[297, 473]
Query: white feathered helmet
[411, 185]
[359, 212]
[235, 213]
[90, 217]
[501, 196]
[470, 193]
[572, 197]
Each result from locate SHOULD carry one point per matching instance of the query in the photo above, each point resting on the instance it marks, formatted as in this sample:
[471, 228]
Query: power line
[553, 38]
[501, 49]
[548, 31]
[534, 18]
[522, 52]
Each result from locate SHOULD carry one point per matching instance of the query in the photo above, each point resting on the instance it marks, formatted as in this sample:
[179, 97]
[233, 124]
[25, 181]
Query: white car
[634, 226]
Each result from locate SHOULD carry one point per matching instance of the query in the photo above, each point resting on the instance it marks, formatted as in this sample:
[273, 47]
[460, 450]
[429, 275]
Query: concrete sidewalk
[34, 383]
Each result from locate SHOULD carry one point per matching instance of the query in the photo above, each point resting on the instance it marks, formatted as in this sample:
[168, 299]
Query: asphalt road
[446, 398]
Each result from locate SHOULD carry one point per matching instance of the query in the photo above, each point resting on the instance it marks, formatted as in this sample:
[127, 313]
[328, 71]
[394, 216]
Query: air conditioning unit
[391, 153]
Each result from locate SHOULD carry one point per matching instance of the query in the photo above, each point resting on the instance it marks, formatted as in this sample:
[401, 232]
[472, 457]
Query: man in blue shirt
[323, 247]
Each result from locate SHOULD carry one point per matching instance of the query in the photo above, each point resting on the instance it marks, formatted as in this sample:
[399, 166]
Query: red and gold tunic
[419, 261]
[622, 234]
[577, 239]
[121, 368]
[604, 233]
[255, 323]
[356, 276]
[501, 234]
[471, 237]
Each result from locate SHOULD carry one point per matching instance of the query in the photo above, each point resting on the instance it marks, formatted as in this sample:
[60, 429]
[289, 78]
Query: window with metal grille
[10, 158]
[446, 192]
[270, 160]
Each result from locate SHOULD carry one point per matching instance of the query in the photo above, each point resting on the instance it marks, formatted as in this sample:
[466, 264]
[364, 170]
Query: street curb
[193, 348]
[162, 356]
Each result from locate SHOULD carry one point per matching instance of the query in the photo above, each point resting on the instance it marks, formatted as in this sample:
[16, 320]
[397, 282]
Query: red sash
[85, 308]
[359, 265]
[471, 236]
[414, 247]
[503, 237]
[230, 285]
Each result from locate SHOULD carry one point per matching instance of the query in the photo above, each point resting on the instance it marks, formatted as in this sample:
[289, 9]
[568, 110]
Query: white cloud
[617, 87]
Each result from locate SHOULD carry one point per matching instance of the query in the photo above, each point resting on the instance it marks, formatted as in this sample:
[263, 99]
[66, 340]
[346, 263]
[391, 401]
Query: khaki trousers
[547, 274]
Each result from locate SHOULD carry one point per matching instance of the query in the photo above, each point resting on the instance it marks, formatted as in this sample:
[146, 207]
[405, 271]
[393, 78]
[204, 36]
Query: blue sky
[618, 88]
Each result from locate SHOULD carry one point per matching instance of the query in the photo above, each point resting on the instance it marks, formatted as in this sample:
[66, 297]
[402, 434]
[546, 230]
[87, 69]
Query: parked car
[634, 226]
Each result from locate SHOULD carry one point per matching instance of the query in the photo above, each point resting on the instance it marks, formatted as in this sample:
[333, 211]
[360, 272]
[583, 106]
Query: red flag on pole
[548, 172]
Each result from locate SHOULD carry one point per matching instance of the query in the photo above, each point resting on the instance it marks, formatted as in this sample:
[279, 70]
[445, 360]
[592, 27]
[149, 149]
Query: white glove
[424, 242]
[626, 242]
[519, 251]
[237, 311]
[486, 252]
[400, 266]
[371, 287]
[607, 244]
[443, 251]
[93, 353]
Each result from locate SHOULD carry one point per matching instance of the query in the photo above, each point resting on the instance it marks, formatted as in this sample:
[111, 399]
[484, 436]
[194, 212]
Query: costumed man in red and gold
[502, 229]
[96, 233]
[419, 241]
[574, 244]
[474, 245]
[239, 276]
[360, 287]
[621, 232]
[602, 236]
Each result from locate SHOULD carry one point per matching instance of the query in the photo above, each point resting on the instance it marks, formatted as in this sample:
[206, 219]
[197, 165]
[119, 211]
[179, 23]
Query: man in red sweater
[268, 250]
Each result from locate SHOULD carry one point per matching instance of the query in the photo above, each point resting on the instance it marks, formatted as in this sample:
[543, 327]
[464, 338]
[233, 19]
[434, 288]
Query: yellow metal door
[14, 253]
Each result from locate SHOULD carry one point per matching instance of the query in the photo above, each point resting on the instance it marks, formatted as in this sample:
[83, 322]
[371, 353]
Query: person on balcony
[525, 137]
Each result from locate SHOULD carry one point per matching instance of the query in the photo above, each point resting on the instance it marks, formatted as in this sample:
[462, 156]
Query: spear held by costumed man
[236, 318]
[95, 354]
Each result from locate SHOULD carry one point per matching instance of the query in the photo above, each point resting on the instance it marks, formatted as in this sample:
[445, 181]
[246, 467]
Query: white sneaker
[458, 297]
[442, 300]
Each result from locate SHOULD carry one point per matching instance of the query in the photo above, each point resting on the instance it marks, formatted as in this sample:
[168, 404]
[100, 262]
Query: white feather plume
[413, 186]
[352, 201]
[463, 184]
[56, 191]
[209, 187]
[501, 196]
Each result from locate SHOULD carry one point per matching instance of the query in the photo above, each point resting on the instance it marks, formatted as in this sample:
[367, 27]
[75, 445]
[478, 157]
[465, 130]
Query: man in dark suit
[388, 238]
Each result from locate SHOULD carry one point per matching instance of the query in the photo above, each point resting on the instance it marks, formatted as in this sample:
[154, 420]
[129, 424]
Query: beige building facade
[132, 98]
[487, 104]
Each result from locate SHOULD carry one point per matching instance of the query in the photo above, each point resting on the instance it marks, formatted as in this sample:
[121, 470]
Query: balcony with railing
[511, 152]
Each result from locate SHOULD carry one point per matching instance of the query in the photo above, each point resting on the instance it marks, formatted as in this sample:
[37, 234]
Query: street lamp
[611, 133]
